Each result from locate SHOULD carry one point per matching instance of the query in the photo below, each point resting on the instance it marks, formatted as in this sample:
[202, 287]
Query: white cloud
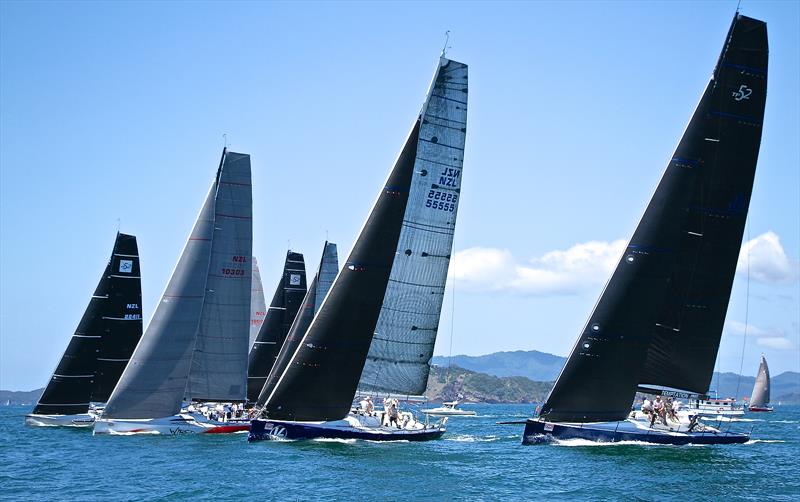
[768, 260]
[556, 272]
[771, 338]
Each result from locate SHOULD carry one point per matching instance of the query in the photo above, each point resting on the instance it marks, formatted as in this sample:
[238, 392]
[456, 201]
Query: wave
[587, 442]
[468, 438]
[334, 440]
[754, 441]
[731, 419]
[784, 421]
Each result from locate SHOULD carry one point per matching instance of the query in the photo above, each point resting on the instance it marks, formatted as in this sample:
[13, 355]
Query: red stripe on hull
[228, 429]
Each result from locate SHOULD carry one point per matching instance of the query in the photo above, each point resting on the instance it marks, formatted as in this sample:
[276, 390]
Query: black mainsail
[320, 381]
[659, 320]
[104, 339]
[280, 315]
[317, 290]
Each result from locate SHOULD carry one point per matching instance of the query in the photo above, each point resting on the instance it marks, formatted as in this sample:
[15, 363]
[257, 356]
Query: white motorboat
[448, 409]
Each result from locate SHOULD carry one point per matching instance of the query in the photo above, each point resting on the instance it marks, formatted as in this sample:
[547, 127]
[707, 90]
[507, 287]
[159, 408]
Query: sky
[112, 115]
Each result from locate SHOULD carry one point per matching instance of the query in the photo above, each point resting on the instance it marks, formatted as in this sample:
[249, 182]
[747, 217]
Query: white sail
[219, 363]
[155, 380]
[401, 350]
[258, 305]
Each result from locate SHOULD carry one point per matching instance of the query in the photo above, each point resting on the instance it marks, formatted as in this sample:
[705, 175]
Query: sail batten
[401, 350]
[659, 319]
[101, 345]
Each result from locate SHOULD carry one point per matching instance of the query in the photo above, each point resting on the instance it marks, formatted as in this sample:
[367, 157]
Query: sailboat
[258, 306]
[311, 396]
[194, 351]
[759, 399]
[282, 311]
[100, 347]
[657, 325]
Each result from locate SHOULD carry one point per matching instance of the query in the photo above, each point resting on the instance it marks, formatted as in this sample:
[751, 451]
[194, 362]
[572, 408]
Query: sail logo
[294, 280]
[743, 93]
[126, 266]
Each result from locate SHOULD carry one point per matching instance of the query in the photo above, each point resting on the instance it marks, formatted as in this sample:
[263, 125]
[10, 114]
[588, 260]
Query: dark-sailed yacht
[101, 346]
[192, 358]
[310, 391]
[759, 399]
[280, 315]
[656, 328]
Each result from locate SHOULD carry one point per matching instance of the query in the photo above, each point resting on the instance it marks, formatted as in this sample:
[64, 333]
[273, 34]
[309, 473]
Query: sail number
[744, 92]
[239, 259]
[232, 272]
[441, 201]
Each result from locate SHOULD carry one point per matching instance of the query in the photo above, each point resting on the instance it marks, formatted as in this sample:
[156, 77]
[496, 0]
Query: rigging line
[746, 315]
[452, 321]
[447, 39]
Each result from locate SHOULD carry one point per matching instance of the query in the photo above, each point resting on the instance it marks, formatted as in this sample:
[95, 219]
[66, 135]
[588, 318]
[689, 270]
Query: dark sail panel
[659, 305]
[317, 290]
[104, 339]
[321, 379]
[280, 315]
[723, 153]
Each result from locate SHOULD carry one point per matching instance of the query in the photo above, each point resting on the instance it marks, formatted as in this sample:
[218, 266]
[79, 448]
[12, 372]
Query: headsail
[155, 381]
[317, 290]
[258, 306]
[321, 378]
[659, 319]
[760, 396]
[104, 339]
[282, 311]
[401, 350]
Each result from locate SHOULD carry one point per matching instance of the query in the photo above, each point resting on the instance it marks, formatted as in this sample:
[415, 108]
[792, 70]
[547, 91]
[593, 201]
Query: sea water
[476, 459]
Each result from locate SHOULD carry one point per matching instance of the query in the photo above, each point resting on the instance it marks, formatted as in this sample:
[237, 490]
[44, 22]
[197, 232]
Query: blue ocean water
[476, 459]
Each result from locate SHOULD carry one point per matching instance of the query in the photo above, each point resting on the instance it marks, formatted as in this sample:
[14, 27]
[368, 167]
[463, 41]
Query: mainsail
[401, 350]
[317, 290]
[282, 311]
[104, 339]
[258, 306]
[203, 313]
[659, 319]
[320, 380]
[760, 396]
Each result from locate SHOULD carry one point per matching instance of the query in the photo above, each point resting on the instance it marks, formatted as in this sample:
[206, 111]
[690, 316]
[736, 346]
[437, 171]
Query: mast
[104, 339]
[660, 317]
[282, 311]
[321, 377]
[401, 350]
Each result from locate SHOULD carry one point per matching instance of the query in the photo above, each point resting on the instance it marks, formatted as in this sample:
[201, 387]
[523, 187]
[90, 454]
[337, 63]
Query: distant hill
[20, 398]
[445, 384]
[538, 366]
[784, 387]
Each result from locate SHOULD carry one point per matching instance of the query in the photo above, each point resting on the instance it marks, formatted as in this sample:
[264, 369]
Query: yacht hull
[759, 409]
[170, 426]
[262, 429]
[537, 432]
[80, 420]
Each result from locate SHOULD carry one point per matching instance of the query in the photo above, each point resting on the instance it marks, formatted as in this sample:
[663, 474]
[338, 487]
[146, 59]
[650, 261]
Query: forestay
[401, 350]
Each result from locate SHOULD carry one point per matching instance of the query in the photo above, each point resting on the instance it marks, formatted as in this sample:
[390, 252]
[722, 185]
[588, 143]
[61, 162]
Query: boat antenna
[446, 41]
[737, 5]
[118, 224]
[224, 140]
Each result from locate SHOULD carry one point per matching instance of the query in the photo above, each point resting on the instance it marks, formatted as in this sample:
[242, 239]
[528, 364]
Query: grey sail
[154, 381]
[258, 305]
[401, 350]
[760, 396]
[328, 268]
[219, 363]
